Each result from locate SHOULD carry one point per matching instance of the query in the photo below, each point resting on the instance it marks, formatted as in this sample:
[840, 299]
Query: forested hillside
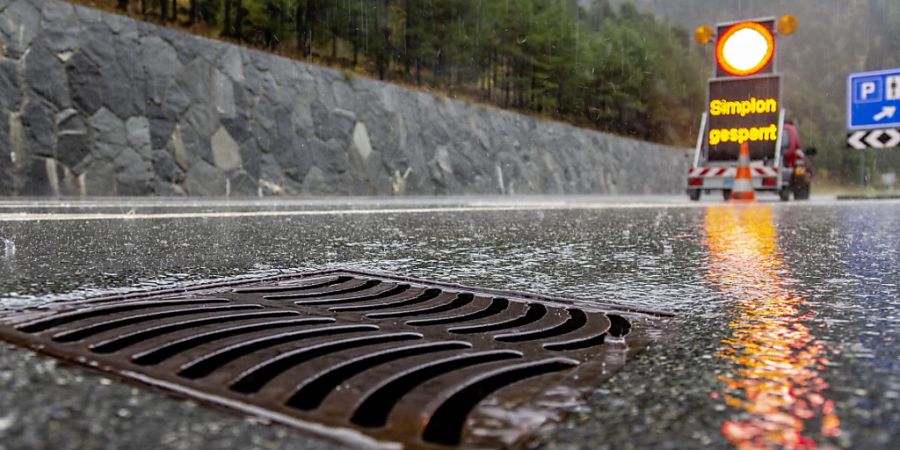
[835, 38]
[614, 69]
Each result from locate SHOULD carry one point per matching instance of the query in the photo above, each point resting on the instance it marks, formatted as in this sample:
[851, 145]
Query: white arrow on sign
[855, 140]
[886, 113]
[894, 141]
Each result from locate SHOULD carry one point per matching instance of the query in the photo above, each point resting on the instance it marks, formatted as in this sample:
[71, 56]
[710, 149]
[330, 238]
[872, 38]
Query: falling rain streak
[774, 379]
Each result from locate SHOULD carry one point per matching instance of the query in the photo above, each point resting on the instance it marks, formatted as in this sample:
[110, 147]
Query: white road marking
[471, 207]
[31, 217]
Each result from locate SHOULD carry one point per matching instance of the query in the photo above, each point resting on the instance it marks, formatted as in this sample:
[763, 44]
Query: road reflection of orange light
[775, 374]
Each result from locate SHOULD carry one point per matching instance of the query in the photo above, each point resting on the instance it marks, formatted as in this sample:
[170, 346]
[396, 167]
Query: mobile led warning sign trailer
[743, 106]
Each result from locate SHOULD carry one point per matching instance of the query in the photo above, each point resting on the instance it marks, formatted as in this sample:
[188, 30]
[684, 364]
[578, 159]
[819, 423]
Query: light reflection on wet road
[775, 376]
[787, 332]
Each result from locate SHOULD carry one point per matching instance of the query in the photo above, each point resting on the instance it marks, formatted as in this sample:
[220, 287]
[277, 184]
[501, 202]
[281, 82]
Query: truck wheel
[784, 194]
[801, 192]
[726, 194]
[694, 194]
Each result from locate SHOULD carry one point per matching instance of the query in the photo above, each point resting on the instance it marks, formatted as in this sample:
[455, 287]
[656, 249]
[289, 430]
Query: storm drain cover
[367, 359]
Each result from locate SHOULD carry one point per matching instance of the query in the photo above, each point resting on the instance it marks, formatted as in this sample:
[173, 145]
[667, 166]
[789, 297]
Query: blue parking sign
[873, 99]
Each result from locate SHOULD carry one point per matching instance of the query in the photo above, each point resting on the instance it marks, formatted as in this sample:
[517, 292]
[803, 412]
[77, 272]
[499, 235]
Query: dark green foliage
[622, 71]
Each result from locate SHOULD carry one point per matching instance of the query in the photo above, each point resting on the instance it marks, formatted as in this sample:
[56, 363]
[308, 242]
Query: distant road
[171, 208]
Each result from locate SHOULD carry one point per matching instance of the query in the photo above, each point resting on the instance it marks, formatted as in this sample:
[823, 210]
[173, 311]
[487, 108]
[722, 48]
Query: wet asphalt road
[787, 331]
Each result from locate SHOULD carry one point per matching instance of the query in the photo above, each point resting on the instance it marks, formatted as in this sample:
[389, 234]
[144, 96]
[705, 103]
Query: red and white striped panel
[765, 171]
[711, 172]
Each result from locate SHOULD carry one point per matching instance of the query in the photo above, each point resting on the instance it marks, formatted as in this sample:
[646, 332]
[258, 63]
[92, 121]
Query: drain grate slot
[168, 350]
[96, 328]
[404, 362]
[254, 379]
[428, 294]
[120, 342]
[396, 290]
[358, 285]
[208, 363]
[535, 312]
[62, 319]
[577, 319]
[446, 424]
[497, 306]
[311, 393]
[458, 302]
[374, 410]
[620, 326]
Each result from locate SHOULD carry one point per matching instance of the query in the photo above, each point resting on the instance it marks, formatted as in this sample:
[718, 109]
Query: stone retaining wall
[98, 104]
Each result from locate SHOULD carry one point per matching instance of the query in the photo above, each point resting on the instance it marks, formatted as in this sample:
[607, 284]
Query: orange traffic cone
[743, 180]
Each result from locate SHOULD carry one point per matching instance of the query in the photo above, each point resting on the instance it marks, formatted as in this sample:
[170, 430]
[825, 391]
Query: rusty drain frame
[424, 364]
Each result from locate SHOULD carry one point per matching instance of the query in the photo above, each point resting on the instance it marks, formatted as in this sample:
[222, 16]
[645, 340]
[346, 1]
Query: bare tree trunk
[493, 80]
[506, 83]
[407, 39]
[122, 4]
[226, 25]
[239, 19]
[307, 26]
[418, 71]
[193, 12]
[298, 28]
[163, 10]
[532, 98]
[174, 10]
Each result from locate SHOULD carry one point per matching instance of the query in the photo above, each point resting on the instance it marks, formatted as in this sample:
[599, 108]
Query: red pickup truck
[798, 169]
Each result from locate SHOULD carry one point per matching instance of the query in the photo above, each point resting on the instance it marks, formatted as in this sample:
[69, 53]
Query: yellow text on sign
[741, 135]
[744, 107]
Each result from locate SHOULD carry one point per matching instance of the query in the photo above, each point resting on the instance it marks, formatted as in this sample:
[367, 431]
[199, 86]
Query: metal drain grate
[395, 360]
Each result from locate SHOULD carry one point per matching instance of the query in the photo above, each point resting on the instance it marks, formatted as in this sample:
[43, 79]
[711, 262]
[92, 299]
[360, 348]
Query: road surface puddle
[773, 380]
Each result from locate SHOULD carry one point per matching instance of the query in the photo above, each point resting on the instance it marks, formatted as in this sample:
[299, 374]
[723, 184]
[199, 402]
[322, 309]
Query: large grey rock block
[83, 74]
[226, 153]
[10, 89]
[134, 174]
[158, 57]
[73, 143]
[102, 104]
[138, 131]
[204, 179]
[38, 124]
[166, 168]
[108, 128]
[61, 27]
[19, 24]
[41, 178]
[46, 75]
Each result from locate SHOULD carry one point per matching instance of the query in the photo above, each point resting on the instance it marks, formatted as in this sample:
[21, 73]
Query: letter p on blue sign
[867, 90]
